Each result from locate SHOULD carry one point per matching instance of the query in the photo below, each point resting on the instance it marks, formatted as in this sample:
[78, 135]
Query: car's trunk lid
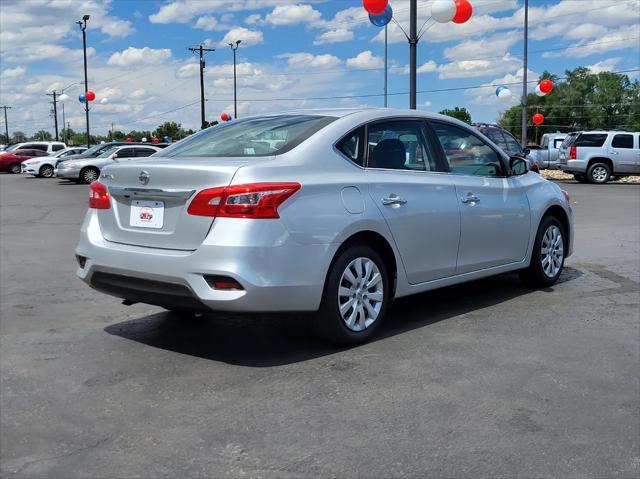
[149, 200]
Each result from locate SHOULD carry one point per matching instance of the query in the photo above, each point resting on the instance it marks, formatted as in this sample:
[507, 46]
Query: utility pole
[6, 123]
[83, 27]
[235, 101]
[201, 51]
[413, 52]
[524, 74]
[64, 136]
[55, 111]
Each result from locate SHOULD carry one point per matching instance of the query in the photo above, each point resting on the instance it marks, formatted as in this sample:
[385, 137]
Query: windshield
[107, 152]
[12, 147]
[263, 136]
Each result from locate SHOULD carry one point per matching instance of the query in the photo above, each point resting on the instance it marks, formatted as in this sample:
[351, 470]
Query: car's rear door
[417, 200]
[494, 209]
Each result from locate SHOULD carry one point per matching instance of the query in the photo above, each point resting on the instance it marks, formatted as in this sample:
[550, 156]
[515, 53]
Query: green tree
[171, 129]
[461, 114]
[41, 135]
[18, 137]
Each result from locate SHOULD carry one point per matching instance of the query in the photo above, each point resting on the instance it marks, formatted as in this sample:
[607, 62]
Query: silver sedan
[335, 212]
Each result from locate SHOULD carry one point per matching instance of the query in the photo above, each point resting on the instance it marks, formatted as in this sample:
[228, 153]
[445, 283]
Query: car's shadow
[277, 340]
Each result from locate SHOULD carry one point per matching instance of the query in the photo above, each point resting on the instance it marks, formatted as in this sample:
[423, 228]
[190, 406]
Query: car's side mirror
[517, 166]
[526, 151]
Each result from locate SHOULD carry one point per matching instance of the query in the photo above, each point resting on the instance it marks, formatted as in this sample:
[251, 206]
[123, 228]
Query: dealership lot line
[487, 378]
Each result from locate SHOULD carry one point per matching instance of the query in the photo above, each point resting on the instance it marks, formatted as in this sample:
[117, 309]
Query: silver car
[346, 211]
[87, 170]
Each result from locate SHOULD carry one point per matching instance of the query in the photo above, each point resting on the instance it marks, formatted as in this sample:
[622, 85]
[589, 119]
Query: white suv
[48, 146]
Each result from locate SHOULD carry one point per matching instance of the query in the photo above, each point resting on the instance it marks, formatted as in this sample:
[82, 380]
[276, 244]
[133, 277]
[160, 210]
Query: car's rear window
[591, 139]
[568, 141]
[263, 136]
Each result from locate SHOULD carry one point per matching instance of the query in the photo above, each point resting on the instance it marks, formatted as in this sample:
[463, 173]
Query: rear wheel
[15, 168]
[355, 298]
[599, 173]
[580, 178]
[89, 175]
[46, 171]
[547, 258]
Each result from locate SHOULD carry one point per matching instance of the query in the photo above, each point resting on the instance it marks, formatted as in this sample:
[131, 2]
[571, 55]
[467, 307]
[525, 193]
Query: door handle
[470, 199]
[393, 200]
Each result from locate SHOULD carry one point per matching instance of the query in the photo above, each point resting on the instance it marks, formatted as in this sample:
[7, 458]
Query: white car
[44, 167]
[48, 146]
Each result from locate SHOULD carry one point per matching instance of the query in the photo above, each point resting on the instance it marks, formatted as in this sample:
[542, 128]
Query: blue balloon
[82, 99]
[499, 89]
[382, 19]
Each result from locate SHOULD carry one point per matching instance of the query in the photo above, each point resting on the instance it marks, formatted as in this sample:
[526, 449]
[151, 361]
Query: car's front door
[416, 200]
[625, 156]
[495, 215]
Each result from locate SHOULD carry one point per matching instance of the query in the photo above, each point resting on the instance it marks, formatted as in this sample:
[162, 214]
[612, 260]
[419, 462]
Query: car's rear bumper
[284, 277]
[574, 166]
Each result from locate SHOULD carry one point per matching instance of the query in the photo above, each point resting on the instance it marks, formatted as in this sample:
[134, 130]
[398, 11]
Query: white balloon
[63, 97]
[144, 139]
[443, 11]
[539, 92]
[505, 95]
[104, 101]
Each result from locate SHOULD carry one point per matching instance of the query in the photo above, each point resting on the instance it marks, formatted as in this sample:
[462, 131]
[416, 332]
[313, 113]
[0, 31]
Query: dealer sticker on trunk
[147, 214]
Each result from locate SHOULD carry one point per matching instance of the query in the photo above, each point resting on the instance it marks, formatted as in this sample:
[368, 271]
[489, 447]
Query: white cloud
[478, 68]
[604, 66]
[138, 94]
[307, 60]
[117, 28]
[334, 36]
[293, 15]
[139, 56]
[253, 19]
[12, 72]
[188, 71]
[207, 22]
[365, 60]
[248, 37]
[620, 39]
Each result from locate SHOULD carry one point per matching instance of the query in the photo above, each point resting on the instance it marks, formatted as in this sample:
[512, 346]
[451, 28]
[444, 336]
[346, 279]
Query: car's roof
[343, 112]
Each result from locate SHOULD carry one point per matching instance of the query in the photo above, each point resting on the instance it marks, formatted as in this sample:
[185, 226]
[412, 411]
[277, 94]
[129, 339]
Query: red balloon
[375, 7]
[129, 140]
[538, 118]
[156, 139]
[225, 117]
[90, 96]
[546, 86]
[464, 10]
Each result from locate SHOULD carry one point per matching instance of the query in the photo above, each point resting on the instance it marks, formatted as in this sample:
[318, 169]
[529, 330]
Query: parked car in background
[547, 154]
[597, 156]
[348, 212]
[46, 146]
[44, 167]
[97, 150]
[11, 161]
[505, 140]
[86, 170]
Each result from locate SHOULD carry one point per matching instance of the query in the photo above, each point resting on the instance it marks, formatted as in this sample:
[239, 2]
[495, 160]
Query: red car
[10, 161]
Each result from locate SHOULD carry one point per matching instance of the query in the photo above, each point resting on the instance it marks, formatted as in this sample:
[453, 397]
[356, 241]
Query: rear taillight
[573, 153]
[534, 167]
[256, 200]
[99, 196]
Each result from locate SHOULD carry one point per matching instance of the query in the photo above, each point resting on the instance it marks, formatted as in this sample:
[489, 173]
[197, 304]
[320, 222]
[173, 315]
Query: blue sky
[292, 54]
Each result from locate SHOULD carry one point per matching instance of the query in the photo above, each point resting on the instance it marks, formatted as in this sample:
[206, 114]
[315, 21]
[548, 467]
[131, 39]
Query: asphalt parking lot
[485, 379]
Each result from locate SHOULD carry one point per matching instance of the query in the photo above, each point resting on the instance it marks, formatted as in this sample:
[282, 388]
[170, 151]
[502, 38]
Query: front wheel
[46, 171]
[15, 168]
[355, 298]
[89, 175]
[547, 258]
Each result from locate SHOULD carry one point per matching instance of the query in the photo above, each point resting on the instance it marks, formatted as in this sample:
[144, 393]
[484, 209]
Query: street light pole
[524, 73]
[413, 52]
[386, 91]
[234, 47]
[83, 26]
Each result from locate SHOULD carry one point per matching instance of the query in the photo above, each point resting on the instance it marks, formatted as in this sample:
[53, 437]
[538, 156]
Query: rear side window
[34, 146]
[250, 137]
[591, 139]
[399, 145]
[57, 147]
[622, 141]
[144, 151]
[568, 141]
[352, 146]
[557, 143]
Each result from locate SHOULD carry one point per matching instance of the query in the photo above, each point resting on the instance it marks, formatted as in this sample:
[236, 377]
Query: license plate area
[147, 214]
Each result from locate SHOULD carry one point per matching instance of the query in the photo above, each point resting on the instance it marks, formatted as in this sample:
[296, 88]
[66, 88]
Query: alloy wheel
[47, 171]
[360, 294]
[552, 253]
[89, 176]
[599, 174]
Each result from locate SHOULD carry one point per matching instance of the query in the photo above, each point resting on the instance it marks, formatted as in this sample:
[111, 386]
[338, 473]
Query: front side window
[399, 145]
[622, 141]
[57, 147]
[512, 144]
[591, 139]
[125, 153]
[144, 152]
[465, 153]
[352, 146]
[251, 137]
[545, 142]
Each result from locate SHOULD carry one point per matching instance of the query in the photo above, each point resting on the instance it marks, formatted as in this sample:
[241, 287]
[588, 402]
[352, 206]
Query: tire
[545, 268]
[580, 178]
[46, 171]
[599, 173]
[15, 169]
[363, 308]
[88, 175]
